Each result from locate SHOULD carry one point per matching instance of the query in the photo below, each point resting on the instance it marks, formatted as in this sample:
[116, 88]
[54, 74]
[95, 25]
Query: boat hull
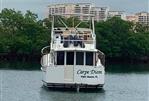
[65, 85]
[72, 77]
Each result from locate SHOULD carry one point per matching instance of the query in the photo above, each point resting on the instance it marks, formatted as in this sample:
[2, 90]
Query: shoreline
[33, 63]
[20, 57]
[36, 58]
[127, 60]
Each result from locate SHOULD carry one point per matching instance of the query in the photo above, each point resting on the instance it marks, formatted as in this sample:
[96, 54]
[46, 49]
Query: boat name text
[91, 72]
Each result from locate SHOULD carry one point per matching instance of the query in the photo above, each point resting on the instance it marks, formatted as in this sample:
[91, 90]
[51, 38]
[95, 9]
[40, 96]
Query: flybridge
[72, 37]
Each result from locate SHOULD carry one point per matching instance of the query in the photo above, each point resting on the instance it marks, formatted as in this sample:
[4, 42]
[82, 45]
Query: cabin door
[68, 76]
[68, 70]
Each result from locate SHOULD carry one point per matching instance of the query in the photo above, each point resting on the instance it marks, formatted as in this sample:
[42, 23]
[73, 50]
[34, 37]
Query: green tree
[22, 34]
[112, 36]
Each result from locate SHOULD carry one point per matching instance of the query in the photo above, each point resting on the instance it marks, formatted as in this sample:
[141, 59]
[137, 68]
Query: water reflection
[26, 86]
[72, 95]
[110, 68]
[18, 65]
[127, 68]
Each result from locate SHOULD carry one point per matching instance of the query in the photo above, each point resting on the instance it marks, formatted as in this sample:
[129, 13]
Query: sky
[40, 6]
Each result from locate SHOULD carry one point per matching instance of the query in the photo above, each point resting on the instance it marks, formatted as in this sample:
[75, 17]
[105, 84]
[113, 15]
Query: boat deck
[73, 38]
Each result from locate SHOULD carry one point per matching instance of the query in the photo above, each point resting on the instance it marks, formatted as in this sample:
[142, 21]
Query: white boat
[72, 59]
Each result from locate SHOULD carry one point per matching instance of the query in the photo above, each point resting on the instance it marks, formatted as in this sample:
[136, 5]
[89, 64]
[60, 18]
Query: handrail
[45, 49]
[72, 40]
[78, 34]
[67, 43]
[101, 56]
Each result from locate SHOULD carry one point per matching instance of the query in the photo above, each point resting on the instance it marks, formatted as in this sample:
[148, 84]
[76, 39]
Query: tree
[21, 34]
[117, 38]
[24, 34]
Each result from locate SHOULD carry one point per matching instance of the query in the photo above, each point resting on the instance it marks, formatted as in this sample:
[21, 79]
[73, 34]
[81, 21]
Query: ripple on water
[27, 86]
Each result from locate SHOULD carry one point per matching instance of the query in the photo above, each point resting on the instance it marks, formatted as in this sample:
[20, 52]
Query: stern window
[70, 58]
[79, 58]
[89, 58]
[60, 58]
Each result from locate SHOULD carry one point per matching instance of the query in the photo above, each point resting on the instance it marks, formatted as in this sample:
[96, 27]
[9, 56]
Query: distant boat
[72, 59]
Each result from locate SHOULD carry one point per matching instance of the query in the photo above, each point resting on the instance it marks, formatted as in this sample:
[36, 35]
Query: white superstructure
[72, 59]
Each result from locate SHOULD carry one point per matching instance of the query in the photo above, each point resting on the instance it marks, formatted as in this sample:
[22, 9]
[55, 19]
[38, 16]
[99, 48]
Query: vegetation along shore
[22, 36]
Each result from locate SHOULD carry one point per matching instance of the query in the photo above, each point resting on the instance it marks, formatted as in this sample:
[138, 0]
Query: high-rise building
[61, 9]
[120, 14]
[143, 18]
[83, 8]
[100, 13]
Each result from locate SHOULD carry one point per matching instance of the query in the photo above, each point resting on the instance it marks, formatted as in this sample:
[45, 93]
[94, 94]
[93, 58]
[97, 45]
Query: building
[120, 14]
[143, 18]
[132, 18]
[101, 13]
[80, 8]
[83, 8]
[70, 8]
[61, 9]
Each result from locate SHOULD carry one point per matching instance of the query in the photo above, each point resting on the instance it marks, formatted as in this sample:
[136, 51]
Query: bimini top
[72, 38]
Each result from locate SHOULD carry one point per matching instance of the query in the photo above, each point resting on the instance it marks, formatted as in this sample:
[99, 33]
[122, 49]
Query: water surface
[121, 85]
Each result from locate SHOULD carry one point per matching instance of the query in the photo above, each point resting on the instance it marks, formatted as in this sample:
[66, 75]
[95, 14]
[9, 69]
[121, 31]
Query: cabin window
[60, 58]
[79, 58]
[89, 58]
[70, 58]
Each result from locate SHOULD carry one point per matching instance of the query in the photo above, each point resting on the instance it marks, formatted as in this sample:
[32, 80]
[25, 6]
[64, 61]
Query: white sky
[39, 6]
